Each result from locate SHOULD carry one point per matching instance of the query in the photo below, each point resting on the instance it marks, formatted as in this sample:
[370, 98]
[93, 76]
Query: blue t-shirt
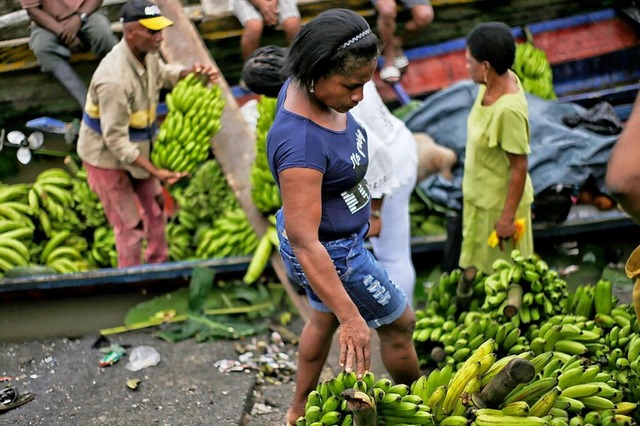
[342, 157]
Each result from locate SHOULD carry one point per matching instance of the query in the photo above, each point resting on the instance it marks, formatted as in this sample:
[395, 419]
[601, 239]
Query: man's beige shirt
[123, 93]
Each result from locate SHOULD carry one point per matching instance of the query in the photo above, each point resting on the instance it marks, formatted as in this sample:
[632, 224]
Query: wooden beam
[234, 145]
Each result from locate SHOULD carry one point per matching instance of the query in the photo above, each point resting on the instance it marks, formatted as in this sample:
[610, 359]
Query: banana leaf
[204, 328]
[199, 287]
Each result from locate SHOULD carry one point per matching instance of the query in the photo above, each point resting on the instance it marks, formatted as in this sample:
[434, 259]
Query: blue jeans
[367, 283]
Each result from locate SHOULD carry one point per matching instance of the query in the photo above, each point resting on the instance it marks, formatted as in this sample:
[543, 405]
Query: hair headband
[355, 39]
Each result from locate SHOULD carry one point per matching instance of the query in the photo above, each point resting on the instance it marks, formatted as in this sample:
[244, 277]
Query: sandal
[390, 74]
[10, 398]
[401, 62]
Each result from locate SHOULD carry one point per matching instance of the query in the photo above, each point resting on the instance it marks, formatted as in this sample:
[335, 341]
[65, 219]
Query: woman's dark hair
[494, 43]
[335, 42]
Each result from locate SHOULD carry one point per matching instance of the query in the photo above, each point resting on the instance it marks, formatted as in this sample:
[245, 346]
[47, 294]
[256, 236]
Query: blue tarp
[559, 154]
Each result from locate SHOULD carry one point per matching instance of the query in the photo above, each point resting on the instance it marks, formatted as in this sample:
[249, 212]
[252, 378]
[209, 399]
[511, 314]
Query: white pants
[392, 247]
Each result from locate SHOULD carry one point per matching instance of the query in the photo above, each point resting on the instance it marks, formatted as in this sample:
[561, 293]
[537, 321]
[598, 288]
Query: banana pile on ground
[444, 299]
[264, 192]
[450, 342]
[550, 389]
[534, 70]
[195, 111]
[524, 290]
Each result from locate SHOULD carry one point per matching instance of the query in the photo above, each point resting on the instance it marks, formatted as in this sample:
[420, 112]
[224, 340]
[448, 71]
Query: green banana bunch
[264, 191]
[194, 117]
[540, 291]
[15, 244]
[180, 240]
[63, 253]
[51, 201]
[87, 203]
[534, 70]
[103, 252]
[206, 198]
[425, 220]
[230, 235]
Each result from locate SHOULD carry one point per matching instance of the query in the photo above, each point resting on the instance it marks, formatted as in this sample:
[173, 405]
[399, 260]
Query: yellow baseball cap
[146, 13]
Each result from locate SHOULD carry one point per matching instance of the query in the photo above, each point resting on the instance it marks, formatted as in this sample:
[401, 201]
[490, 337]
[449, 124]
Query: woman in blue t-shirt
[318, 155]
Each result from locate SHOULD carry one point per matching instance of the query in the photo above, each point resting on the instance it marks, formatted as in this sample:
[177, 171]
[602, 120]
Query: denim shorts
[378, 299]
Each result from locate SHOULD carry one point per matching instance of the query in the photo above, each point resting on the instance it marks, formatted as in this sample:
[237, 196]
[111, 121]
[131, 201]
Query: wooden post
[234, 145]
[516, 371]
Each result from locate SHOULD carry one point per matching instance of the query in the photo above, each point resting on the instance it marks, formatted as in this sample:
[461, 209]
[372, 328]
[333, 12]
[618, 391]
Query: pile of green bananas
[206, 197]
[566, 390]
[88, 205]
[450, 342]
[424, 220]
[229, 235]
[569, 334]
[441, 298]
[590, 299]
[16, 227]
[534, 70]
[51, 200]
[264, 191]
[63, 252]
[542, 290]
[194, 117]
[103, 252]
[180, 240]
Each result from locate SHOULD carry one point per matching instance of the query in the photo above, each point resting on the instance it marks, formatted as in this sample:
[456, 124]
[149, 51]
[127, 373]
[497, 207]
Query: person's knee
[387, 9]
[422, 15]
[253, 28]
[291, 27]
[400, 330]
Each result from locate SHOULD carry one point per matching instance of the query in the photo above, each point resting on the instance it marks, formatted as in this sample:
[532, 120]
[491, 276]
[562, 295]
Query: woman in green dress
[496, 186]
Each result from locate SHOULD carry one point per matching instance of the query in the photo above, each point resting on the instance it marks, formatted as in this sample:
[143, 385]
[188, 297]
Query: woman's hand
[355, 346]
[505, 229]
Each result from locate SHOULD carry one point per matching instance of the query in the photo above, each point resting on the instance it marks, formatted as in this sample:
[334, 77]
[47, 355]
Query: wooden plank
[234, 145]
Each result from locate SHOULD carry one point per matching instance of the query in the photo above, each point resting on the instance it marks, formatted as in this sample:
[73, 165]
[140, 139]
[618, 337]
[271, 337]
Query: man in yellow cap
[119, 126]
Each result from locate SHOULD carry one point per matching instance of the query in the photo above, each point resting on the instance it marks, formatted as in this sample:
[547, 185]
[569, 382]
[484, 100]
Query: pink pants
[134, 207]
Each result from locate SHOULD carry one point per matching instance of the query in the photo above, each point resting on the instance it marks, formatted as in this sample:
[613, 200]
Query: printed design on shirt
[357, 156]
[377, 291]
[357, 197]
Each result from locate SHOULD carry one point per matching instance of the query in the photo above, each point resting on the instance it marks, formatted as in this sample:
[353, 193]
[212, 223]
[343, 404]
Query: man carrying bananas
[119, 126]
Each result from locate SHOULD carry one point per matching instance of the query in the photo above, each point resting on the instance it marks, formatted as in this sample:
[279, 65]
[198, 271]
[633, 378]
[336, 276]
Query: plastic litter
[142, 357]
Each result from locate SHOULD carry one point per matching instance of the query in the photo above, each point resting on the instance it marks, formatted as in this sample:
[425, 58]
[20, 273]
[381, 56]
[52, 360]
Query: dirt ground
[185, 388]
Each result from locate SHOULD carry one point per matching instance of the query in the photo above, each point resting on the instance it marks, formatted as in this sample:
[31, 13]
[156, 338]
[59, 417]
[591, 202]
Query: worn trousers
[134, 207]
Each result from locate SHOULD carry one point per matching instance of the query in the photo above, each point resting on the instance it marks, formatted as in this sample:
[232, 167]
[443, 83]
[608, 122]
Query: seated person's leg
[289, 16]
[97, 34]
[252, 21]
[421, 14]
[52, 57]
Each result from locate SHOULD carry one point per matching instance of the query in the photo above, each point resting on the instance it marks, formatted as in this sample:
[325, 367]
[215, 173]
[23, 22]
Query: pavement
[187, 387]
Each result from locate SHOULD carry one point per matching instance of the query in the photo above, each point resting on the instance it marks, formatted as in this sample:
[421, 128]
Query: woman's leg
[396, 348]
[315, 343]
